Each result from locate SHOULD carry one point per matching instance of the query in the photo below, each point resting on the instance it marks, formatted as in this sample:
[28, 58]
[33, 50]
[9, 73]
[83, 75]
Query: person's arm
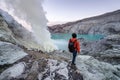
[78, 47]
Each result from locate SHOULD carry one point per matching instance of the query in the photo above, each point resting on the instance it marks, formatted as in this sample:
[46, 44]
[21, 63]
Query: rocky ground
[20, 58]
[37, 65]
[106, 49]
[43, 66]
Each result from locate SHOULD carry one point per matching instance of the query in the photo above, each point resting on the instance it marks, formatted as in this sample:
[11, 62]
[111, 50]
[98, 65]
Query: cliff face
[13, 32]
[108, 23]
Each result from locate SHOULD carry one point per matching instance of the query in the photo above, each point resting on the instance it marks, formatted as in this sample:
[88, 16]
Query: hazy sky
[71, 10]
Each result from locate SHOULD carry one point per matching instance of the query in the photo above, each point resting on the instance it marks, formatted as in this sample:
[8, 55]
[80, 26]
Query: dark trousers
[74, 57]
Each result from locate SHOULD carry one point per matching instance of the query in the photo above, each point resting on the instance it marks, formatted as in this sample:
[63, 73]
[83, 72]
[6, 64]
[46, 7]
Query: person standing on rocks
[74, 47]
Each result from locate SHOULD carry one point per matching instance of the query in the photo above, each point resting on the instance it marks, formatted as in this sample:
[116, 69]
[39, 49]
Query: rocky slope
[106, 24]
[41, 66]
[13, 32]
[18, 55]
[17, 62]
[106, 49]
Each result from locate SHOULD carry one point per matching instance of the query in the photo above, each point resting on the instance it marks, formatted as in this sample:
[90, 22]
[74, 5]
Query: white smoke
[30, 13]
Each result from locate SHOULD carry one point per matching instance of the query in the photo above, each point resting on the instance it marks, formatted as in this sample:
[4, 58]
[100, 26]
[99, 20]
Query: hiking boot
[73, 64]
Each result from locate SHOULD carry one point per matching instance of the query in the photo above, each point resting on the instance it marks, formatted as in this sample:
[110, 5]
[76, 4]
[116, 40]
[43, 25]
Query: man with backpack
[74, 47]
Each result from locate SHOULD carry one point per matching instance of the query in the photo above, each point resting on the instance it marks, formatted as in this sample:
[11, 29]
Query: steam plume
[30, 13]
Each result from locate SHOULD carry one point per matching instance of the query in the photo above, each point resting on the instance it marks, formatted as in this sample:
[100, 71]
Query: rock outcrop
[47, 67]
[89, 67]
[107, 49]
[92, 69]
[13, 32]
[32, 68]
[10, 53]
[105, 24]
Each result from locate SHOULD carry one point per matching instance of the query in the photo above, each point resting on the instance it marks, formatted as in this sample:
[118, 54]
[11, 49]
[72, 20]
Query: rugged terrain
[106, 24]
[19, 59]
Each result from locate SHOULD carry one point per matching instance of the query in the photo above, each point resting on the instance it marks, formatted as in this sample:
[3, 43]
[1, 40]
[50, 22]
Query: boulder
[13, 72]
[10, 53]
[92, 69]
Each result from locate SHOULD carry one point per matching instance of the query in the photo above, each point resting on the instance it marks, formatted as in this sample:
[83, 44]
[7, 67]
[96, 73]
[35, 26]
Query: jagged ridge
[108, 23]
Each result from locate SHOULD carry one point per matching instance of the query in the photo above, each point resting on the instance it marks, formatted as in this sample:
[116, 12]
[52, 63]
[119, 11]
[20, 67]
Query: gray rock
[105, 24]
[48, 69]
[13, 32]
[110, 42]
[92, 69]
[33, 72]
[107, 49]
[13, 72]
[5, 32]
[87, 68]
[65, 55]
[10, 53]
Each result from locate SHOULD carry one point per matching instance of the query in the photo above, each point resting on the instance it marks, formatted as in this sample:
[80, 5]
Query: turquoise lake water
[68, 36]
[61, 39]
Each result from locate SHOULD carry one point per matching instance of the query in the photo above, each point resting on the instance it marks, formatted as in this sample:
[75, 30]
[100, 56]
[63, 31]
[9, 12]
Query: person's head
[74, 35]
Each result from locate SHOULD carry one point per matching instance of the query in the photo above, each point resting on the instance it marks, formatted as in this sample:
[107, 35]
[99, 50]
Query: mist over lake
[61, 39]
